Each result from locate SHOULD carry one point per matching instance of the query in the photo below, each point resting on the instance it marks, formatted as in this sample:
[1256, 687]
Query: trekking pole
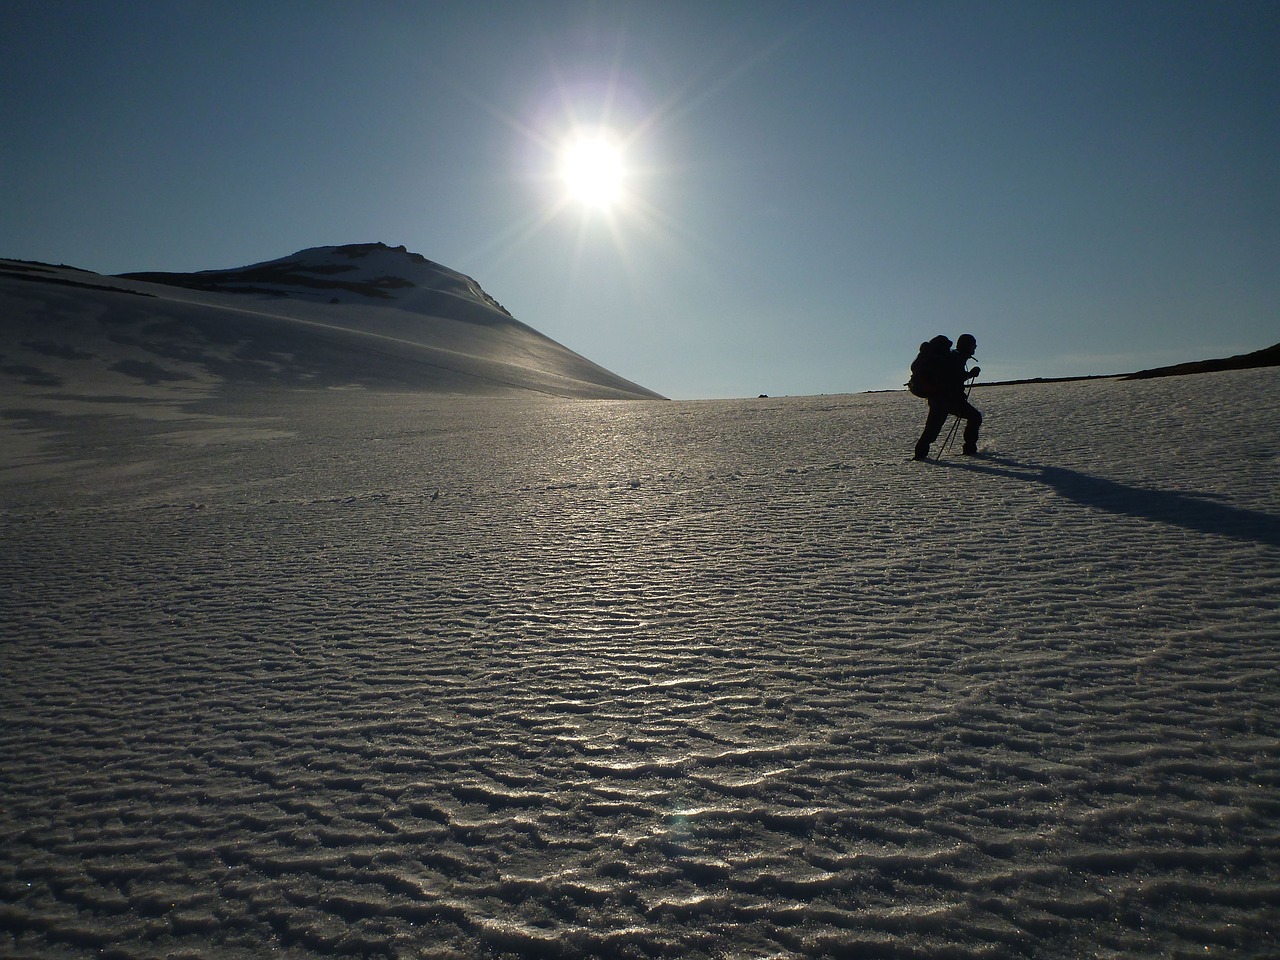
[946, 443]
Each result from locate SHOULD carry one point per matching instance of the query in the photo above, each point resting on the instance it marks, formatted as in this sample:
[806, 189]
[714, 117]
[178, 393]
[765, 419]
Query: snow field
[351, 674]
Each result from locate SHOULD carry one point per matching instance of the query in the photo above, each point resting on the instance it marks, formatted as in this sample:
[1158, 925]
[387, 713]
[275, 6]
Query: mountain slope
[365, 314]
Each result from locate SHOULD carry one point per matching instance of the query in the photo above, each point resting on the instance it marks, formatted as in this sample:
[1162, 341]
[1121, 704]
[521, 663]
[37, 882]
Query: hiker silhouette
[941, 380]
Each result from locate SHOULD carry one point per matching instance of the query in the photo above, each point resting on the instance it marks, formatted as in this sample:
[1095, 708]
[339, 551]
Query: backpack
[928, 367]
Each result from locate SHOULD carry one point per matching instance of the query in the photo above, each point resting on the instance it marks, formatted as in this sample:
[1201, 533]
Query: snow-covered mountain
[362, 314]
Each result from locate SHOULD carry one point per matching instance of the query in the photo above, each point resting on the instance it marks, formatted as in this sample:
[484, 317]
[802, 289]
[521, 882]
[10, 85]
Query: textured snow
[349, 673]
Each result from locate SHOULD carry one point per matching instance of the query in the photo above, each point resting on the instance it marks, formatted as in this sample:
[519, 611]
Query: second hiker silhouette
[940, 379]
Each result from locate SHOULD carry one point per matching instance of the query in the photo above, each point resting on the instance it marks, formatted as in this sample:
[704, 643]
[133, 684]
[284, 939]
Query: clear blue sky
[1088, 187]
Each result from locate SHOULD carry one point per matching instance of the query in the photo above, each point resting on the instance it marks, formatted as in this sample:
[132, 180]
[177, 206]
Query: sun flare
[592, 169]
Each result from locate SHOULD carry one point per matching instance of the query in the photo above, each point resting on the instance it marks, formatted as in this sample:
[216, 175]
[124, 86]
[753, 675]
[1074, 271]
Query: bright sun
[591, 166]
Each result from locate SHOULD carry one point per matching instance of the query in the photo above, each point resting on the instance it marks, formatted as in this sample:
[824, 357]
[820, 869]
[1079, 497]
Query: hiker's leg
[972, 423]
[932, 427]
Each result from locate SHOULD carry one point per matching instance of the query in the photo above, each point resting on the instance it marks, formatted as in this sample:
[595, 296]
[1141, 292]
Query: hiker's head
[967, 344]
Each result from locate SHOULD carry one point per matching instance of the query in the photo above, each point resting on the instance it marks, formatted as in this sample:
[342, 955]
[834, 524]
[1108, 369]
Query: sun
[593, 169]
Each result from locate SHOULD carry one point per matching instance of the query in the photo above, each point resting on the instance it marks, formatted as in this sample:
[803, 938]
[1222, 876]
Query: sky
[806, 190]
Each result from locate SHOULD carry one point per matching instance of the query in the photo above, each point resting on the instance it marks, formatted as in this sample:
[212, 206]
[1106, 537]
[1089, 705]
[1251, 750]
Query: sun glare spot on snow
[592, 168]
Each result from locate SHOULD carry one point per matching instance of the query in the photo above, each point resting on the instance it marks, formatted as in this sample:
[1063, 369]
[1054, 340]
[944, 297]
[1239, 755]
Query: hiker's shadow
[1192, 511]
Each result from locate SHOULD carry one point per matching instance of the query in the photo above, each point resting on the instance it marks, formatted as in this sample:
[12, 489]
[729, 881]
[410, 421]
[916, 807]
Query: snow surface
[357, 673]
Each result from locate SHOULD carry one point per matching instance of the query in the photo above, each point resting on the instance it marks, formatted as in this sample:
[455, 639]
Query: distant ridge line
[1016, 383]
[1267, 357]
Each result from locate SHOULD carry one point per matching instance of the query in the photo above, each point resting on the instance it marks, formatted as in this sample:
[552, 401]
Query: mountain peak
[360, 273]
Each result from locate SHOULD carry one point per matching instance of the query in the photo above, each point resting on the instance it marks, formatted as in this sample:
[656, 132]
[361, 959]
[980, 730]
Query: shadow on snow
[1193, 511]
